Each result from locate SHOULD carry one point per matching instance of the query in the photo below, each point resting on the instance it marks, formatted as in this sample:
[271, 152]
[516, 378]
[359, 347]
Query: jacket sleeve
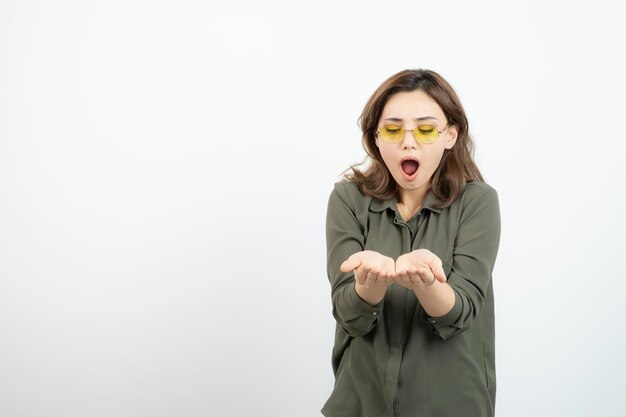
[344, 237]
[474, 256]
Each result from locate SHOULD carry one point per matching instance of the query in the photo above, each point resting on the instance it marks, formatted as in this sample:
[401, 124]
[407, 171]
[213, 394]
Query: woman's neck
[409, 202]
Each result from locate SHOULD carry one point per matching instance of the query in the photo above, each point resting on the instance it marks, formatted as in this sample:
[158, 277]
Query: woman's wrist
[437, 299]
[371, 296]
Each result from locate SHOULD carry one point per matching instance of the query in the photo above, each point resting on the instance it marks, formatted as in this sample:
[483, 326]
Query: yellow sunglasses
[392, 133]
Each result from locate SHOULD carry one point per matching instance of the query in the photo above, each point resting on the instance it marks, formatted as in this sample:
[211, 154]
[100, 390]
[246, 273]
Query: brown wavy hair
[457, 166]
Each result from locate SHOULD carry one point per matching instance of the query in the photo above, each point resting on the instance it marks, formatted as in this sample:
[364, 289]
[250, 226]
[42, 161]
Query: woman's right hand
[373, 273]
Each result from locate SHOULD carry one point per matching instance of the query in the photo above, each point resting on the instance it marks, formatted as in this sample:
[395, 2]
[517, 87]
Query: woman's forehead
[412, 105]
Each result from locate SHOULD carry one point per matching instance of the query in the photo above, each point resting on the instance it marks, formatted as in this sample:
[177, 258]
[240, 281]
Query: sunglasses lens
[426, 133]
[391, 133]
[422, 133]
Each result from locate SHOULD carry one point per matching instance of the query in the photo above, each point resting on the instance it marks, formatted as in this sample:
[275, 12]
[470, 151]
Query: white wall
[164, 173]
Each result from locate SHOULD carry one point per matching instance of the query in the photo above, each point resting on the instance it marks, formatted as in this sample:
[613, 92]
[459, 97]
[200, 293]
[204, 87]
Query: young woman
[412, 241]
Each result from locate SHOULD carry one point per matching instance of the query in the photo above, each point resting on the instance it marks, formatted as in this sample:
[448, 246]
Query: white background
[165, 169]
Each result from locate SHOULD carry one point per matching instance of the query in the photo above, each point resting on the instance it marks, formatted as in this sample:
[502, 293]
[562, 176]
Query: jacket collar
[381, 205]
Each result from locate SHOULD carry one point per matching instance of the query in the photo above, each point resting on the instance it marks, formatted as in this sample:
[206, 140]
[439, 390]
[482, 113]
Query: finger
[412, 273]
[403, 268]
[391, 275]
[382, 277]
[386, 278]
[410, 277]
[350, 264]
[426, 275]
[360, 275]
[370, 279]
[378, 278]
[436, 267]
[439, 273]
[389, 279]
[400, 279]
[414, 277]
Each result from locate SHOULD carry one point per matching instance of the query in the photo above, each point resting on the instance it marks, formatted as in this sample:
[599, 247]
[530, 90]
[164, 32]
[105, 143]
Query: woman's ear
[453, 132]
[376, 139]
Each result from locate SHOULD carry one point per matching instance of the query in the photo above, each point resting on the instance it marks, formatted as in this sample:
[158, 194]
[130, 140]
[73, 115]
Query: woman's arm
[422, 271]
[451, 305]
[345, 238]
[473, 260]
[373, 273]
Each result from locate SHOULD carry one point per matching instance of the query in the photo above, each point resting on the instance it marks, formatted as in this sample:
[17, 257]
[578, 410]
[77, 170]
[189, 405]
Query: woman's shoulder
[346, 187]
[478, 196]
[474, 189]
[348, 193]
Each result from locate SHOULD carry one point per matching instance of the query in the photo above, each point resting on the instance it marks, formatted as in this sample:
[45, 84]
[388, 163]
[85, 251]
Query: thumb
[350, 264]
[441, 276]
[437, 268]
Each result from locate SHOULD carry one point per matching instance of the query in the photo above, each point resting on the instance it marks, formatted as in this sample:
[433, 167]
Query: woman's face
[409, 110]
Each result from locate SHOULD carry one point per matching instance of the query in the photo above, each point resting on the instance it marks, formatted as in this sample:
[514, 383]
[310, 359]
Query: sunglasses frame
[413, 132]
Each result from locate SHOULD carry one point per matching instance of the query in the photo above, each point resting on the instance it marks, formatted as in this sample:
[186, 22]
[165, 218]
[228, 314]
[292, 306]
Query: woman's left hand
[419, 269]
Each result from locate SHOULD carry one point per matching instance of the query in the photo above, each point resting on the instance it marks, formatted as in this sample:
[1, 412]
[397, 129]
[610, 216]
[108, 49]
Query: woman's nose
[408, 141]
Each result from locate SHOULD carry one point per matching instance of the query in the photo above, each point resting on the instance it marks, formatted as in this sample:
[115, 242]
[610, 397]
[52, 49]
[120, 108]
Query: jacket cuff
[443, 325]
[361, 306]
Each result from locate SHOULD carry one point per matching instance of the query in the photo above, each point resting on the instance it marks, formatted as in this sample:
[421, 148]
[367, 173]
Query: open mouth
[409, 166]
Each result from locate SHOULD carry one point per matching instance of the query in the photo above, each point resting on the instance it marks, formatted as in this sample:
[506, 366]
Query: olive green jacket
[393, 359]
